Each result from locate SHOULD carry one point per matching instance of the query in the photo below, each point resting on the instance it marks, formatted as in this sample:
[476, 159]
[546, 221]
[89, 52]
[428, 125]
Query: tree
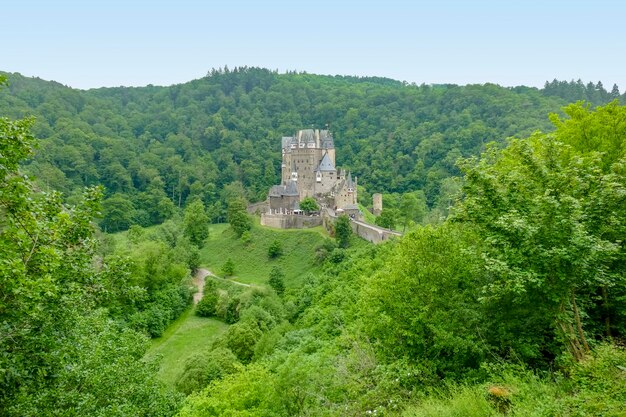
[241, 338]
[275, 249]
[238, 217]
[308, 204]
[57, 351]
[118, 213]
[539, 207]
[409, 207]
[387, 218]
[343, 231]
[277, 280]
[196, 223]
[206, 307]
[228, 269]
[204, 367]
[614, 94]
[438, 321]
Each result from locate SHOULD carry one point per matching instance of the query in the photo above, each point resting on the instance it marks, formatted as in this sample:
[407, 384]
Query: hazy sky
[86, 44]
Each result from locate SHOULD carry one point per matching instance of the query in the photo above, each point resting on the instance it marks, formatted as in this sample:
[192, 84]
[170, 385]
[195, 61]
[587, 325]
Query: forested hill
[155, 147]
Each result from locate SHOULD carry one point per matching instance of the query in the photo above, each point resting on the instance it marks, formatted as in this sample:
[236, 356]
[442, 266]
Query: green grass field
[252, 264]
[187, 335]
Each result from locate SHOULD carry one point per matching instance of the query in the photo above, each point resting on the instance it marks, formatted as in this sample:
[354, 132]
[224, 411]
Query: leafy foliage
[238, 217]
[158, 148]
[277, 280]
[275, 249]
[542, 209]
[207, 306]
[59, 350]
[343, 231]
[308, 204]
[196, 223]
[228, 269]
[204, 367]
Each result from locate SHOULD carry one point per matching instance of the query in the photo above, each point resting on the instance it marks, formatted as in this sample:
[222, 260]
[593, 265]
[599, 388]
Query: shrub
[204, 367]
[228, 269]
[241, 338]
[208, 304]
[277, 280]
[275, 249]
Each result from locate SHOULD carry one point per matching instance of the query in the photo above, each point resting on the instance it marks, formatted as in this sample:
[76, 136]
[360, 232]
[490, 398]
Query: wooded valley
[505, 296]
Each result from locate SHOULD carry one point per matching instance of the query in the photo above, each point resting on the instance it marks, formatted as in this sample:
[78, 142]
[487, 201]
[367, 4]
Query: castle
[308, 170]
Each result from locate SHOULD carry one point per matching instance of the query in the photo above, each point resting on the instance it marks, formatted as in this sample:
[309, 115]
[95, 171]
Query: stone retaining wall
[291, 221]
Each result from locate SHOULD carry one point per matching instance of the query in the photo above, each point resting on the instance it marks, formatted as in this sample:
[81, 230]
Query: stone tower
[308, 170]
[377, 204]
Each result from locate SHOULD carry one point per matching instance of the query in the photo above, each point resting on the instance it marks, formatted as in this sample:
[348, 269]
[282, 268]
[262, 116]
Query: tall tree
[343, 231]
[534, 203]
[238, 217]
[196, 223]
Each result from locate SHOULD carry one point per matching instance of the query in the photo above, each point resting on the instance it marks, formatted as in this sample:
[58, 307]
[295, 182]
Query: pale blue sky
[87, 44]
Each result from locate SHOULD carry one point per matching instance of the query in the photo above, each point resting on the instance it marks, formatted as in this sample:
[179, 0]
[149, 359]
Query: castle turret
[349, 183]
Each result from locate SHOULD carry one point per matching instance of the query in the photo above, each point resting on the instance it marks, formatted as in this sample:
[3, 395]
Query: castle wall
[258, 208]
[281, 221]
[364, 230]
[372, 233]
[285, 202]
[328, 181]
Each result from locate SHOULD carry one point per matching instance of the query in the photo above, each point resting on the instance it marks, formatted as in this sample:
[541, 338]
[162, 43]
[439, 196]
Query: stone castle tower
[308, 166]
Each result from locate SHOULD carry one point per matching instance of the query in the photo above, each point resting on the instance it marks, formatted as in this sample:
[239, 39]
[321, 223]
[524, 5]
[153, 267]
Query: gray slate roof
[277, 190]
[326, 165]
[350, 183]
[286, 141]
[291, 188]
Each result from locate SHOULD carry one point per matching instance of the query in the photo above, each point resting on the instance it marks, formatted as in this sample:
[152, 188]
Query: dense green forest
[513, 305]
[153, 148]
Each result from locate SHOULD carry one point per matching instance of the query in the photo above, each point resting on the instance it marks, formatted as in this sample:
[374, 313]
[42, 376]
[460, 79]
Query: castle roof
[350, 183]
[291, 188]
[307, 135]
[326, 164]
[286, 141]
[327, 139]
[277, 190]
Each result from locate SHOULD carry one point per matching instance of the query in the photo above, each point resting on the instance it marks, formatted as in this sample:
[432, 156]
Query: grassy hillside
[252, 264]
[186, 336]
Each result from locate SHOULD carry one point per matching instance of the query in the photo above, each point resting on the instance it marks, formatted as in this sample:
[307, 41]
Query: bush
[228, 269]
[204, 367]
[246, 237]
[275, 249]
[207, 306]
[277, 280]
[241, 338]
[343, 231]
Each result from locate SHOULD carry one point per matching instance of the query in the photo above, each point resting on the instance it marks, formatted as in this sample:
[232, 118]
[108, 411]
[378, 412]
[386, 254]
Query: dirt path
[200, 277]
[198, 281]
